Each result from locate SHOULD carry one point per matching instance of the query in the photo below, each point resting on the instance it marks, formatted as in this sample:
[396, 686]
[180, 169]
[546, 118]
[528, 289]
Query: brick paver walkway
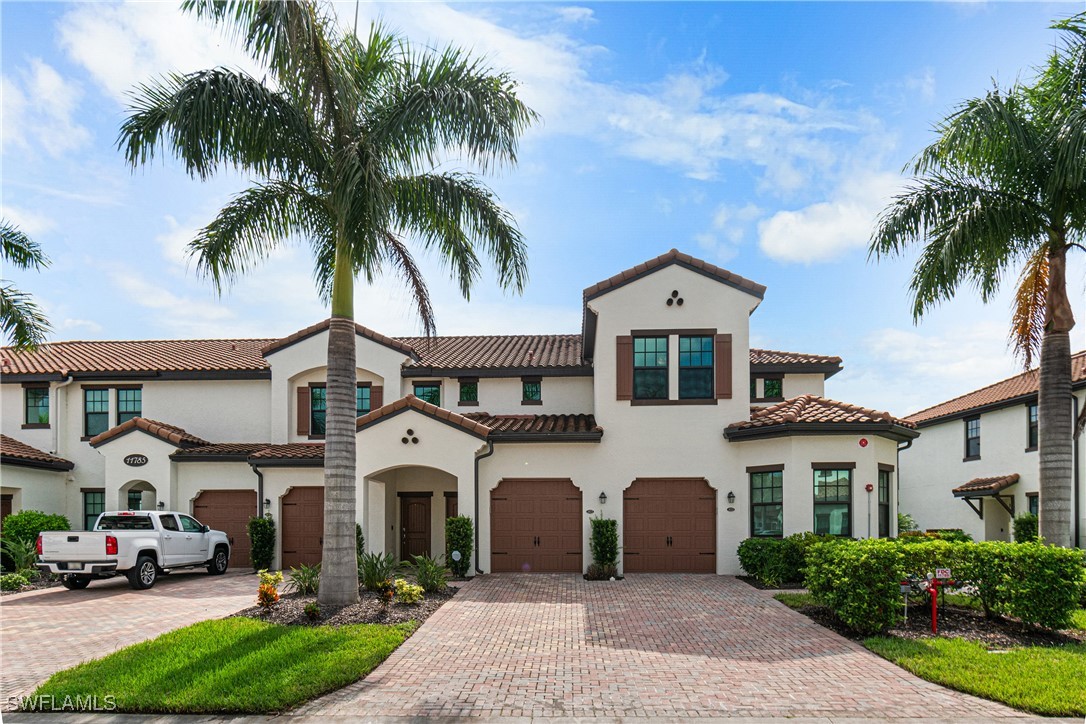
[42, 632]
[652, 645]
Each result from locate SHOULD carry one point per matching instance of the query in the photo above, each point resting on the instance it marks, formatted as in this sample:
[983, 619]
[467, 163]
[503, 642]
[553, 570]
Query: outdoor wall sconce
[267, 504]
[731, 497]
[161, 505]
[603, 498]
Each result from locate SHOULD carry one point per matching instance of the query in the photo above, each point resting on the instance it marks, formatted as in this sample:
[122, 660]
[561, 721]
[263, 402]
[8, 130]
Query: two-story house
[644, 417]
[975, 467]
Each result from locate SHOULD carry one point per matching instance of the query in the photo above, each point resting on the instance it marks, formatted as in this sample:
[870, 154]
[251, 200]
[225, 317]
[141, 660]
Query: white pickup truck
[141, 545]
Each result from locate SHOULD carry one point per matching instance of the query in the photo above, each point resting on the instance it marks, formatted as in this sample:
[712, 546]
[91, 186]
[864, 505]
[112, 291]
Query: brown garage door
[669, 525]
[535, 526]
[303, 526]
[228, 511]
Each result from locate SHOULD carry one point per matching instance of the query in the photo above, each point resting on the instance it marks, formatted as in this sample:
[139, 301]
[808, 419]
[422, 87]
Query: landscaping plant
[359, 541]
[459, 536]
[305, 579]
[777, 561]
[261, 531]
[906, 524]
[312, 610]
[407, 592]
[27, 525]
[1025, 528]
[267, 593]
[13, 582]
[375, 570]
[21, 556]
[429, 573]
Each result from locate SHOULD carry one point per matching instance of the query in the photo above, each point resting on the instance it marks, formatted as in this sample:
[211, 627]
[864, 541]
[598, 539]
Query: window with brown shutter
[624, 368]
[377, 397]
[303, 410]
[723, 366]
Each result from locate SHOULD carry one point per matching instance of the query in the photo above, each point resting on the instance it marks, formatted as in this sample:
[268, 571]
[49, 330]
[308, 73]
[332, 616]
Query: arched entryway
[407, 506]
[137, 495]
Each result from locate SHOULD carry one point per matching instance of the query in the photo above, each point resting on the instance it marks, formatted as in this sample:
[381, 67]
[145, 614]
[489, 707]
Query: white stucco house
[975, 466]
[658, 414]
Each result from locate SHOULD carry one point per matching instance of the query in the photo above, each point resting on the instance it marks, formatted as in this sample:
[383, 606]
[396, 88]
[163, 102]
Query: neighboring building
[644, 417]
[975, 467]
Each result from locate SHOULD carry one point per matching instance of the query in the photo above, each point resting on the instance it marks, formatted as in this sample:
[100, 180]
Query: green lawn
[231, 665]
[796, 600]
[1078, 619]
[1038, 679]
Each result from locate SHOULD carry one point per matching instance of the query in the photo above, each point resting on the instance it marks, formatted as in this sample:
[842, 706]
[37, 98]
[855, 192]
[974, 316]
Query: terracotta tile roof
[149, 356]
[522, 351]
[237, 449]
[812, 409]
[393, 408]
[541, 425]
[301, 334]
[989, 486]
[291, 451]
[775, 357]
[13, 452]
[1011, 388]
[169, 433]
[674, 257]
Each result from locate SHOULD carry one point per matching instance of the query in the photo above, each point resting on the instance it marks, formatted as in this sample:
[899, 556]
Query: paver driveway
[42, 632]
[652, 645]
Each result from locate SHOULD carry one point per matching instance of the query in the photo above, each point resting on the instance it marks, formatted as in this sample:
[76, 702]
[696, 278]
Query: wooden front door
[669, 526]
[414, 525]
[536, 526]
[303, 526]
[229, 511]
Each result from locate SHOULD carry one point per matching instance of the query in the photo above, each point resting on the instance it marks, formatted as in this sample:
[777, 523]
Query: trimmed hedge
[459, 536]
[1025, 528]
[604, 542]
[859, 580]
[261, 530]
[27, 525]
[777, 561]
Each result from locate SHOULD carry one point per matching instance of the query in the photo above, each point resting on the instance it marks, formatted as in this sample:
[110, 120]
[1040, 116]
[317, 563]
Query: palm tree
[347, 139]
[22, 320]
[1004, 187]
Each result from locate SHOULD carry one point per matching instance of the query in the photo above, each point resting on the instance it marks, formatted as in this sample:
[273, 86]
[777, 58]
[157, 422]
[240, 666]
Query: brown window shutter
[723, 354]
[377, 397]
[624, 368]
[303, 410]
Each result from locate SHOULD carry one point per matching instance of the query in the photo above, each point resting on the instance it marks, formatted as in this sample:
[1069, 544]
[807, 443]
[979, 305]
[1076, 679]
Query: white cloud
[30, 222]
[69, 325]
[174, 243]
[576, 15]
[828, 229]
[729, 228]
[922, 85]
[38, 109]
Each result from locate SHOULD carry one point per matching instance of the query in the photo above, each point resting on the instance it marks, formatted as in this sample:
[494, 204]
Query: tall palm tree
[348, 139]
[1004, 187]
[21, 318]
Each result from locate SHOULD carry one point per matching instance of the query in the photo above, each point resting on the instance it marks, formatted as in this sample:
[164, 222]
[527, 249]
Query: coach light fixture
[267, 503]
[603, 498]
[731, 497]
[162, 505]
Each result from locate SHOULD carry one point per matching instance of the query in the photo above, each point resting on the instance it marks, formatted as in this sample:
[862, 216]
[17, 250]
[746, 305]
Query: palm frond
[23, 322]
[399, 257]
[1028, 320]
[20, 250]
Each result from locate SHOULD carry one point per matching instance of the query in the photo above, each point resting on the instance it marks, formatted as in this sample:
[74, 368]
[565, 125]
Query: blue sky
[764, 137]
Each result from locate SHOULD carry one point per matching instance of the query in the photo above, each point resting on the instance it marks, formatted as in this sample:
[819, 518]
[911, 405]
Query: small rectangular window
[650, 368]
[428, 392]
[884, 503]
[469, 391]
[833, 502]
[318, 409]
[361, 400]
[1031, 427]
[695, 368]
[129, 404]
[767, 504]
[37, 405]
[94, 504]
[772, 388]
[972, 438]
[1033, 502]
[135, 500]
[531, 391]
[95, 411]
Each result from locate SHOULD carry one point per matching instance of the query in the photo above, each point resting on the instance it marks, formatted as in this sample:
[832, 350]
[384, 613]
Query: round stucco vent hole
[410, 431]
[404, 440]
[679, 301]
[674, 293]
[414, 441]
[670, 302]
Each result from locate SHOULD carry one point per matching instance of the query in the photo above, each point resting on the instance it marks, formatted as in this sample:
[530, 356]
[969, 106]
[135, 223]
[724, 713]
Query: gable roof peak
[674, 256]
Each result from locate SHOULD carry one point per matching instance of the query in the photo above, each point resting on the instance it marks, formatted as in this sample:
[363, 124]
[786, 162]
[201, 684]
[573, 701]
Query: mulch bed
[751, 581]
[290, 610]
[954, 622]
[34, 586]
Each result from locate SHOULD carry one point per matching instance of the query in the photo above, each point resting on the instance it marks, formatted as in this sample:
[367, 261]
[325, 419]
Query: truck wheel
[219, 563]
[144, 574]
[75, 583]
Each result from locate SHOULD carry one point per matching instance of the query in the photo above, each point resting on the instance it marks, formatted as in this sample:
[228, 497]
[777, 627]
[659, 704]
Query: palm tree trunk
[1054, 413]
[339, 564]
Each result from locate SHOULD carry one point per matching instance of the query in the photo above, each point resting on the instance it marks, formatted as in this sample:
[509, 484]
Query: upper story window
[833, 501]
[95, 411]
[129, 403]
[362, 400]
[37, 406]
[884, 503]
[428, 392]
[695, 368]
[772, 389]
[469, 390]
[650, 368]
[1033, 503]
[1031, 427]
[531, 391]
[767, 503]
[318, 405]
[972, 438]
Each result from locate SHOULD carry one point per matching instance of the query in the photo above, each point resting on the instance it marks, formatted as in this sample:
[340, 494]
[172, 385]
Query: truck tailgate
[73, 546]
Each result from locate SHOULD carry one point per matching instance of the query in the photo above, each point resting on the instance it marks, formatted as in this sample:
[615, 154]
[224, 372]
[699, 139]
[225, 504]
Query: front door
[414, 525]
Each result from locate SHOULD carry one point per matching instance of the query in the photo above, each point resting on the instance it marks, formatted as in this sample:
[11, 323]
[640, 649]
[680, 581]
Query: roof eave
[889, 430]
[547, 436]
[55, 466]
[286, 462]
[569, 371]
[827, 369]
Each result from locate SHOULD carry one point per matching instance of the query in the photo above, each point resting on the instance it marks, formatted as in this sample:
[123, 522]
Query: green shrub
[906, 524]
[27, 525]
[459, 536]
[947, 534]
[1045, 582]
[604, 542]
[754, 555]
[858, 580]
[777, 561]
[305, 580]
[359, 540]
[407, 592]
[431, 575]
[312, 610]
[1025, 528]
[13, 582]
[20, 556]
[261, 531]
[376, 570]
[597, 572]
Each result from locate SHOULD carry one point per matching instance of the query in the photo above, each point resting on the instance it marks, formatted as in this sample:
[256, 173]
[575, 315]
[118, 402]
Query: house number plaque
[135, 460]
